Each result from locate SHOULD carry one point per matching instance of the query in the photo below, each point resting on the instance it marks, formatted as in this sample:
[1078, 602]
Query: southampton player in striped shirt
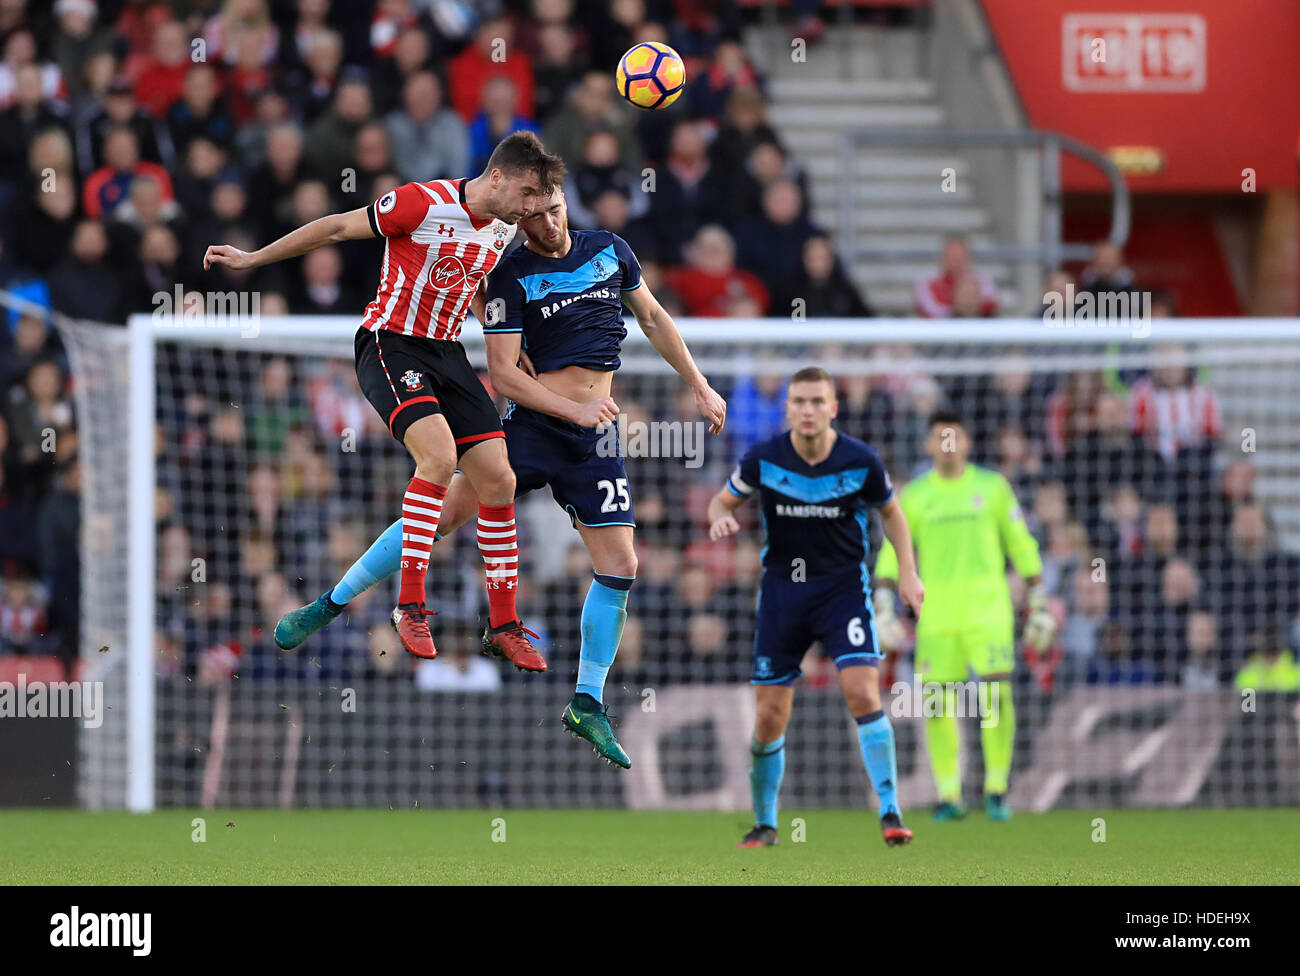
[966, 524]
[816, 487]
[559, 297]
[441, 240]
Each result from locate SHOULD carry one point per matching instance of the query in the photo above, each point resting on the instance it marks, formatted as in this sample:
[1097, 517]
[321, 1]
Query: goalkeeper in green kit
[965, 524]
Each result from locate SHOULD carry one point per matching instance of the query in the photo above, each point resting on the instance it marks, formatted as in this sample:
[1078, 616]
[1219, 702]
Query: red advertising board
[1197, 90]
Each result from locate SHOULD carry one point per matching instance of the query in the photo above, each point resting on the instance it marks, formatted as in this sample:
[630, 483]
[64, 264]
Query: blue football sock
[603, 615]
[765, 778]
[876, 736]
[382, 559]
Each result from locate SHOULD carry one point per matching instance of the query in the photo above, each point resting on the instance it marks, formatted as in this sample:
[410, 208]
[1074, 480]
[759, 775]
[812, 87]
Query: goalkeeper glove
[889, 629]
[1040, 625]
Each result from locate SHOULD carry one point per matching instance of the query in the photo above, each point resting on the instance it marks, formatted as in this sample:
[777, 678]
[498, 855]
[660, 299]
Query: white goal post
[1252, 364]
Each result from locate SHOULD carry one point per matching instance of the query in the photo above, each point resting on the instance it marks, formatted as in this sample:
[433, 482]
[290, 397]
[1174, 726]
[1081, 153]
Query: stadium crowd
[134, 133]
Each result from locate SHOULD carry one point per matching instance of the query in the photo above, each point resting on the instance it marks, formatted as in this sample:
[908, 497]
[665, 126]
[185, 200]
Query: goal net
[232, 474]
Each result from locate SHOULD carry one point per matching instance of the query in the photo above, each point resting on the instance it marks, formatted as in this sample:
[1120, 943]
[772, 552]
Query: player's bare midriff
[578, 383]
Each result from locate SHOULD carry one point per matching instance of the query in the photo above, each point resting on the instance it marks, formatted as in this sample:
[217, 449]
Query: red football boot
[508, 641]
[891, 826]
[413, 629]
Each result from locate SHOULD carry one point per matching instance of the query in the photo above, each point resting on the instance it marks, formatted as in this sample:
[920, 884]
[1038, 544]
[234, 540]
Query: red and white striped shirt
[1173, 418]
[435, 257]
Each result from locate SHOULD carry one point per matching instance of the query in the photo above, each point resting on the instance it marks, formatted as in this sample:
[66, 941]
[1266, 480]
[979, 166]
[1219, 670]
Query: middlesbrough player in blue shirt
[557, 302]
[816, 487]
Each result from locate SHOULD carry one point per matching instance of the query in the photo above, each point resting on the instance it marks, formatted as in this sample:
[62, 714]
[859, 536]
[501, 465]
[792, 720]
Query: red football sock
[500, 548]
[421, 509]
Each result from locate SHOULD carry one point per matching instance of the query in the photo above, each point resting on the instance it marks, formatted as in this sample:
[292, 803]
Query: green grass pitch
[604, 846]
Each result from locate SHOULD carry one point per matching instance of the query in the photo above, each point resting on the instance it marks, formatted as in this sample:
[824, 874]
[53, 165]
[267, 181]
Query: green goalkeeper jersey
[964, 530]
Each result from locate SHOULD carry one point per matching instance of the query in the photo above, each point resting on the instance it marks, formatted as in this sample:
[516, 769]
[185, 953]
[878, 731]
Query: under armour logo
[446, 229]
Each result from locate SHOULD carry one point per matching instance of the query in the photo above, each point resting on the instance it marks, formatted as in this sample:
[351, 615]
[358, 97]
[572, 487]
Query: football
[651, 75]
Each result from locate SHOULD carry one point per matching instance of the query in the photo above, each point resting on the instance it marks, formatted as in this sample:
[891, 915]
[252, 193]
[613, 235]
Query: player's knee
[620, 564]
[434, 468]
[769, 722]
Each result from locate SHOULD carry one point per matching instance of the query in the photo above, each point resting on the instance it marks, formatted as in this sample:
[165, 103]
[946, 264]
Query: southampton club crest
[412, 380]
[499, 230]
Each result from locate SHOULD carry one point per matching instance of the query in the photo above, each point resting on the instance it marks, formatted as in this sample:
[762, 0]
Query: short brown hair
[813, 374]
[522, 153]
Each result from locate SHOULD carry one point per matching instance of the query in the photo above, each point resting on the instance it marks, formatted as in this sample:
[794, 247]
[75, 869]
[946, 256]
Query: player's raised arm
[330, 229]
[663, 334]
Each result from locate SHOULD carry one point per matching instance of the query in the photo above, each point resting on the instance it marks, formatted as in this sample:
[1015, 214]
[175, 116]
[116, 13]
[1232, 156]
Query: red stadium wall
[1214, 85]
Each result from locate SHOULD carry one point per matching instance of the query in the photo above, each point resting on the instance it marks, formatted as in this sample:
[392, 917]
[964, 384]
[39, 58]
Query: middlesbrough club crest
[412, 380]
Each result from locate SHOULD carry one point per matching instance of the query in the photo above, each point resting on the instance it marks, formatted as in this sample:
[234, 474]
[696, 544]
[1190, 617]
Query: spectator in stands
[311, 88]
[47, 218]
[1271, 668]
[591, 107]
[331, 140]
[108, 187]
[743, 128]
[120, 109]
[374, 159]
[1106, 455]
[324, 291]
[36, 413]
[82, 285]
[30, 114]
[1254, 584]
[689, 192]
[935, 296]
[756, 407]
[1203, 670]
[1209, 523]
[819, 287]
[771, 246]
[711, 278]
[276, 409]
[598, 172]
[78, 39]
[729, 71]
[557, 67]
[1107, 272]
[1089, 612]
[481, 60]
[1180, 419]
[158, 269]
[499, 117]
[58, 533]
[24, 617]
[1018, 460]
[311, 17]
[161, 79]
[1159, 629]
[271, 184]
[429, 141]
[1136, 578]
[200, 111]
[1072, 410]
[610, 211]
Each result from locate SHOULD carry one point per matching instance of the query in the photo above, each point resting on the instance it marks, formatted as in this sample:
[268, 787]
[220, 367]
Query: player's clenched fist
[596, 413]
[227, 257]
[722, 527]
